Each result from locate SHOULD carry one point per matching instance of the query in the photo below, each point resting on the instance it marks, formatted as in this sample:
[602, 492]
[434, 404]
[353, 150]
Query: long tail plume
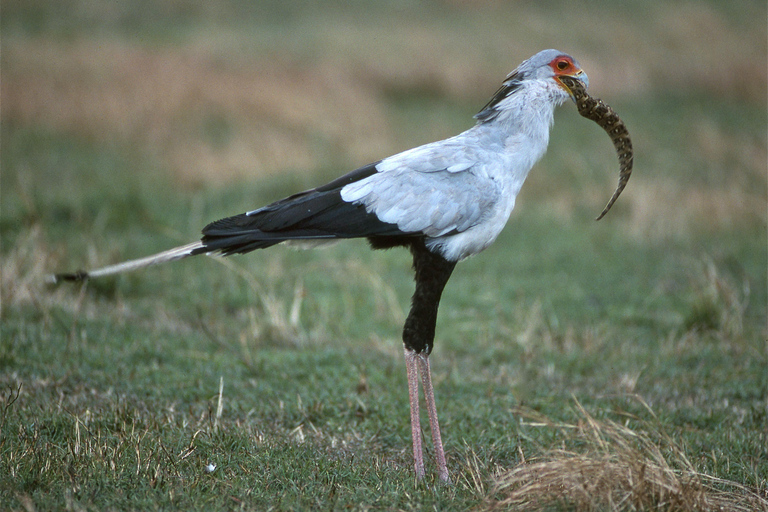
[176, 253]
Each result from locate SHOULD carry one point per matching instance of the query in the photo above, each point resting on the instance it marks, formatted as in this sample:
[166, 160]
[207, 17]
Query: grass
[617, 365]
[615, 468]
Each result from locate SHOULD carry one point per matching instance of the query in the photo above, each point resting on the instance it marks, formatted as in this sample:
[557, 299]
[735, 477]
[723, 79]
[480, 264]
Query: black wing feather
[489, 111]
[318, 213]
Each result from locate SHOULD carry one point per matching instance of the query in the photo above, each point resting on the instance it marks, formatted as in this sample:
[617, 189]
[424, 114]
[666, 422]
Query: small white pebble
[210, 468]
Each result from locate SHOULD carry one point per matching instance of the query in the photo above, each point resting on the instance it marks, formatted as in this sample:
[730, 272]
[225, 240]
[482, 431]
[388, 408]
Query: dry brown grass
[277, 110]
[23, 270]
[684, 46]
[663, 209]
[207, 119]
[606, 465]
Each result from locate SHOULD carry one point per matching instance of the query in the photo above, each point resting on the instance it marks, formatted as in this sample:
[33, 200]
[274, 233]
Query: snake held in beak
[599, 112]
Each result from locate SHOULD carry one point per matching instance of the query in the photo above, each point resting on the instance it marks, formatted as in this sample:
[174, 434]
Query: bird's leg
[412, 370]
[432, 273]
[434, 427]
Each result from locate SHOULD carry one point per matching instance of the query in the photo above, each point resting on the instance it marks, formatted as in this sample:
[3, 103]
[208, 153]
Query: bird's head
[545, 65]
[550, 64]
[566, 66]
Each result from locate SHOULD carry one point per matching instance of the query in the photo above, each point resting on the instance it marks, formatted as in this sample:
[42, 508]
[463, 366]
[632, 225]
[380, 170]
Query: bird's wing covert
[435, 203]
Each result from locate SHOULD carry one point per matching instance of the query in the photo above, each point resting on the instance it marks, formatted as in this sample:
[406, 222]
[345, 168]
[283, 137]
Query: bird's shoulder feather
[437, 189]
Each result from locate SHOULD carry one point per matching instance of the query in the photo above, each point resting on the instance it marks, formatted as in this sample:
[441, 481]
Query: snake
[598, 111]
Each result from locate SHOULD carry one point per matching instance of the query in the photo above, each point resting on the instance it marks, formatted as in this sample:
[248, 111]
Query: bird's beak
[579, 75]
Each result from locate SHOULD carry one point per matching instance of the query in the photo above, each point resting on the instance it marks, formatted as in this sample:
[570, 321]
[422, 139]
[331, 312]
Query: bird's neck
[521, 121]
[529, 107]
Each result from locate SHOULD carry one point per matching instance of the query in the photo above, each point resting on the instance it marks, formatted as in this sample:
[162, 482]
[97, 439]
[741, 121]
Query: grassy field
[618, 365]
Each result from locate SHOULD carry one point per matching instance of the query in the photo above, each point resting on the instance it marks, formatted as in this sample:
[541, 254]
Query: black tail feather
[76, 277]
[317, 214]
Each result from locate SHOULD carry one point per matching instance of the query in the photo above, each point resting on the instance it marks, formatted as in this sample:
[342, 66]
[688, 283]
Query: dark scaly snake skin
[603, 115]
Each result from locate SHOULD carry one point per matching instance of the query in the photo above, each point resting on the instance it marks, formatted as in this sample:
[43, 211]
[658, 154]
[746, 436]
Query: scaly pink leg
[429, 397]
[412, 371]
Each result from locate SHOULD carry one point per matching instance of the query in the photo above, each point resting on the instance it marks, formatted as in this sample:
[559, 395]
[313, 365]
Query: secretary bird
[444, 201]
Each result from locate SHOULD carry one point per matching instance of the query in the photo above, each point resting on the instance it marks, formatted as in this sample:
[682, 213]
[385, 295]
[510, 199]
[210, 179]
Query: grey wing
[435, 203]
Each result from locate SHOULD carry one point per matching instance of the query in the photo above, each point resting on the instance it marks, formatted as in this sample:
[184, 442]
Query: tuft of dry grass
[23, 270]
[720, 302]
[606, 465]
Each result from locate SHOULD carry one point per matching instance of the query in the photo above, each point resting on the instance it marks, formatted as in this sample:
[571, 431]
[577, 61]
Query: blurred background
[127, 126]
[214, 92]
[164, 115]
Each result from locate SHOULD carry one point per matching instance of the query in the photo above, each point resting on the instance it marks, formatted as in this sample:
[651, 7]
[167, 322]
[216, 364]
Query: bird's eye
[562, 65]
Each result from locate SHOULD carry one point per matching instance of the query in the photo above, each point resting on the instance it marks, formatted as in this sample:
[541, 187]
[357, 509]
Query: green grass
[550, 344]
